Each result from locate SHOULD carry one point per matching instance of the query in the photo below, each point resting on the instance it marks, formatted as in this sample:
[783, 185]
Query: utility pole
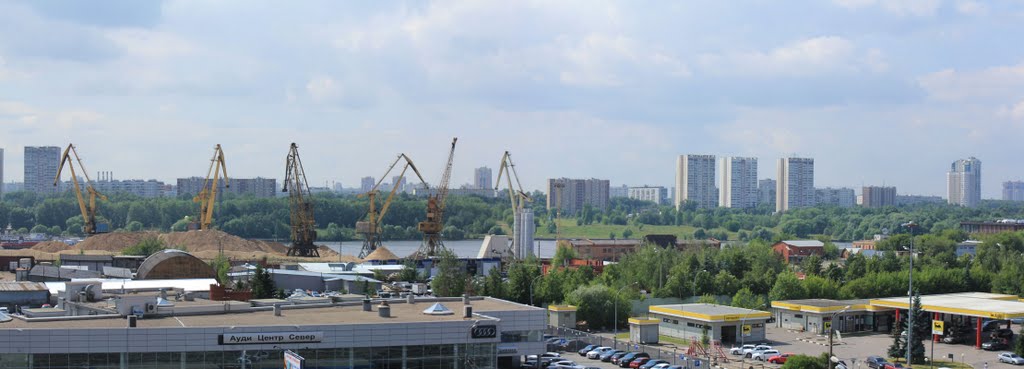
[831, 326]
[910, 292]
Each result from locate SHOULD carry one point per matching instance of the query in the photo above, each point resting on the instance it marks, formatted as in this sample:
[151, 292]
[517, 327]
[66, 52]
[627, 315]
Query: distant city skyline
[884, 93]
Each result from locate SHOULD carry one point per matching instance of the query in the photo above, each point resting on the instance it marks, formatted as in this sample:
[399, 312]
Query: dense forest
[473, 217]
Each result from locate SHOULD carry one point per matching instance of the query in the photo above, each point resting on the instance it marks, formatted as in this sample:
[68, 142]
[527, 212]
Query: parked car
[583, 351]
[564, 364]
[1003, 333]
[1017, 320]
[573, 345]
[952, 339]
[618, 357]
[607, 355]
[764, 355]
[894, 366]
[636, 363]
[779, 359]
[994, 345]
[651, 363]
[1011, 358]
[757, 349]
[625, 361]
[544, 355]
[675, 367]
[876, 362]
[661, 366]
[741, 350]
[595, 353]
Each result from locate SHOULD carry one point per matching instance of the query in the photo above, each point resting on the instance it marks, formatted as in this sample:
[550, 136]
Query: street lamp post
[694, 290]
[531, 287]
[910, 291]
[743, 321]
[831, 326]
[615, 321]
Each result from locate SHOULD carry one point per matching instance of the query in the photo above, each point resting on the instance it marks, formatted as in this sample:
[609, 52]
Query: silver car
[1011, 358]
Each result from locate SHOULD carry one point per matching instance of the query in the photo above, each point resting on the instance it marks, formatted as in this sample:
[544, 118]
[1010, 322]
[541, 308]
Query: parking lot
[852, 349]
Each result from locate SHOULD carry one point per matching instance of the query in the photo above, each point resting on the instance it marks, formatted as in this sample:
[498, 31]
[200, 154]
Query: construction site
[203, 240]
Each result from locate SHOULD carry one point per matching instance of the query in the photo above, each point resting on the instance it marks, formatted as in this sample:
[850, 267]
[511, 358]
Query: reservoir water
[462, 248]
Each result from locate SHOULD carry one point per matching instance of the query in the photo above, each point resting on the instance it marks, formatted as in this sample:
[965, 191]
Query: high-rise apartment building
[655, 194]
[571, 195]
[1012, 190]
[482, 178]
[258, 187]
[963, 182]
[739, 182]
[41, 163]
[795, 186]
[841, 197]
[695, 181]
[366, 184]
[766, 189]
[878, 196]
[618, 191]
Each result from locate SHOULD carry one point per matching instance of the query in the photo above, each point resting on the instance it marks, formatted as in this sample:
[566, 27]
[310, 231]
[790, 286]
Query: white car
[741, 350]
[544, 355]
[597, 352]
[756, 349]
[1012, 358]
[661, 366]
[564, 364]
[764, 355]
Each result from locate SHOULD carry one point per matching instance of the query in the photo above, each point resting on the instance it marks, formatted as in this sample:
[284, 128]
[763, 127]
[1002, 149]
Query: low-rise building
[1002, 225]
[725, 324]
[794, 251]
[817, 315]
[968, 247]
[27, 294]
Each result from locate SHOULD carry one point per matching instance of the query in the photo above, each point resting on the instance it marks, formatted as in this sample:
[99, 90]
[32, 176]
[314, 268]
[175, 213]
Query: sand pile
[114, 242]
[213, 240]
[51, 246]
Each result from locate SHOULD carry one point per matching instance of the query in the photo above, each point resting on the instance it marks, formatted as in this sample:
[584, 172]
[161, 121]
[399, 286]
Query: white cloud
[898, 7]
[813, 56]
[971, 7]
[322, 88]
[1001, 82]
[602, 60]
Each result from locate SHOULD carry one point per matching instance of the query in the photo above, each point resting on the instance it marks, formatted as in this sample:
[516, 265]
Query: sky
[876, 91]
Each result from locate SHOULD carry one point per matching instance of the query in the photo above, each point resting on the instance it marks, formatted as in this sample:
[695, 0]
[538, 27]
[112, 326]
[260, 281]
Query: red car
[779, 359]
[638, 362]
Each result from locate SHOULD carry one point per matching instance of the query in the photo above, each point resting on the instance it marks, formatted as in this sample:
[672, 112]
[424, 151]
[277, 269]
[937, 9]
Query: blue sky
[876, 91]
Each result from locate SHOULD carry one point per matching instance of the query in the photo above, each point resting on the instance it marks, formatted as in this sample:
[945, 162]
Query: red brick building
[794, 251]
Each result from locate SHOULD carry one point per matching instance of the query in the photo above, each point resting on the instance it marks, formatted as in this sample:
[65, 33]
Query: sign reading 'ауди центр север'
[264, 338]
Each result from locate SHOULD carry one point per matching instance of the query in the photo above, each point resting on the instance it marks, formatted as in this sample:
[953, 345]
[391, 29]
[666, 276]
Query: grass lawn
[937, 364]
[661, 339]
[569, 229]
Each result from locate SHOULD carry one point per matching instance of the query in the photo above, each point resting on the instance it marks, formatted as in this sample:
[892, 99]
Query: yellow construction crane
[88, 209]
[208, 195]
[516, 196]
[371, 227]
[301, 206]
[432, 226]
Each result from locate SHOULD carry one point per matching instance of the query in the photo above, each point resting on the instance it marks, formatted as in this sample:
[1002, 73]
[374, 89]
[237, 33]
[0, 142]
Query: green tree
[262, 283]
[408, 272]
[148, 246]
[596, 305]
[520, 275]
[896, 349]
[700, 234]
[1018, 347]
[563, 254]
[806, 362]
[221, 265]
[495, 285]
[787, 287]
[133, 226]
[450, 279]
[811, 265]
[627, 233]
[707, 299]
[42, 229]
[747, 300]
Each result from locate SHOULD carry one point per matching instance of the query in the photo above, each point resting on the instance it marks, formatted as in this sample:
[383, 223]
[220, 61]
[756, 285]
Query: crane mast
[517, 197]
[371, 227]
[88, 210]
[301, 205]
[208, 195]
[432, 226]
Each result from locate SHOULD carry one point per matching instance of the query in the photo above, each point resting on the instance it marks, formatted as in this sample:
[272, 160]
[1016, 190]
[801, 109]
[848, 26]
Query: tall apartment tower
[1012, 190]
[766, 189]
[964, 182]
[1, 173]
[795, 186]
[366, 184]
[878, 196]
[482, 178]
[41, 164]
[695, 181]
[739, 182]
[569, 196]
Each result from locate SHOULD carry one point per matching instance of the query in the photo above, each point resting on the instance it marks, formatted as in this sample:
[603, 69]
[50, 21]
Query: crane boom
[517, 197]
[432, 226]
[370, 228]
[208, 195]
[301, 205]
[88, 209]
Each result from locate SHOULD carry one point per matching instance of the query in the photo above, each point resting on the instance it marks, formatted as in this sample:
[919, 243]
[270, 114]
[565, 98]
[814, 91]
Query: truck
[420, 289]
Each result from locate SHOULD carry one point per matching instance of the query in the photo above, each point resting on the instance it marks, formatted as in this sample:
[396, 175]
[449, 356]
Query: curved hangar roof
[174, 264]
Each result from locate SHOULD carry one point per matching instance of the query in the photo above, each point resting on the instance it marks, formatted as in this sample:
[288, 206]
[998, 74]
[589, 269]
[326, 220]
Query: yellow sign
[828, 325]
[746, 330]
[937, 327]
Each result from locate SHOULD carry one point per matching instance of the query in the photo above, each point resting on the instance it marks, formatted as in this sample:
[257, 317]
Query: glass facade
[460, 356]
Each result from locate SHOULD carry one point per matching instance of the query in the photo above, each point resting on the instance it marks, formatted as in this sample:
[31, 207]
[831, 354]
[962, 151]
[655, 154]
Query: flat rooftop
[401, 312]
[976, 304]
[710, 312]
[826, 305]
